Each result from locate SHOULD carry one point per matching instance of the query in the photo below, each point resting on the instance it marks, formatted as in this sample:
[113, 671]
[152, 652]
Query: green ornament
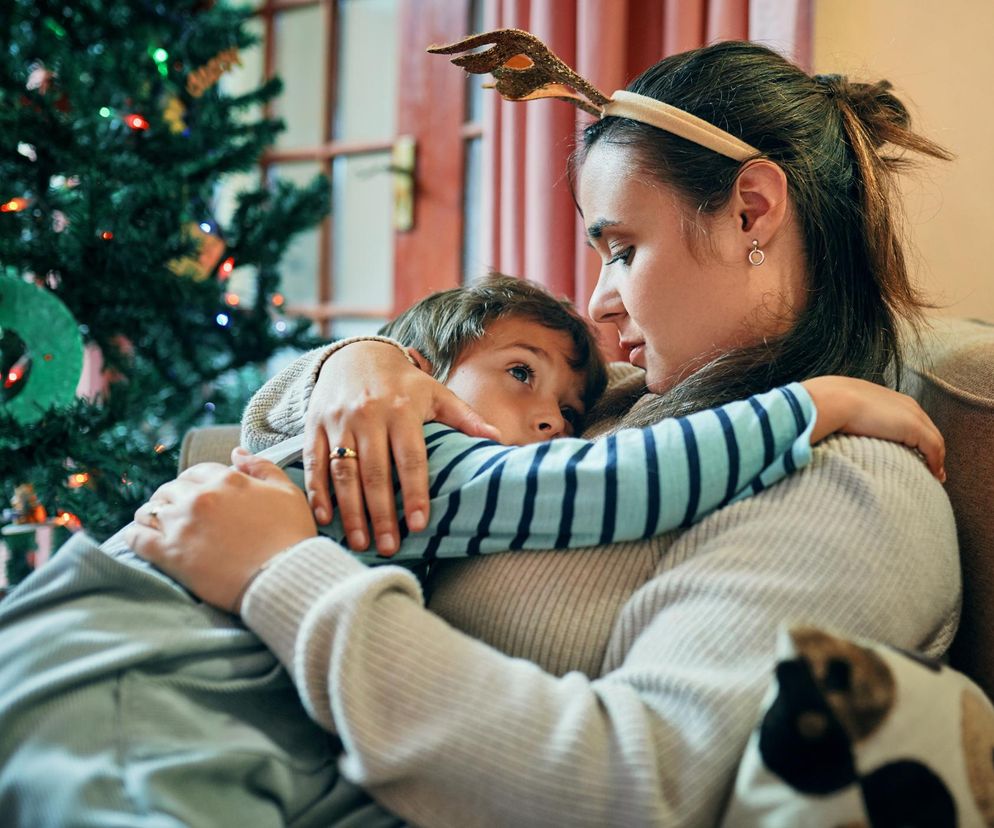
[51, 337]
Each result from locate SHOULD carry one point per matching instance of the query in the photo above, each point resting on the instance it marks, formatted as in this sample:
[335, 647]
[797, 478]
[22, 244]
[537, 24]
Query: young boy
[529, 364]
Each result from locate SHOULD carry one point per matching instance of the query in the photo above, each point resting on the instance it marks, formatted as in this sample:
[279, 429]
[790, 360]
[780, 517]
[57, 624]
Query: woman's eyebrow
[595, 230]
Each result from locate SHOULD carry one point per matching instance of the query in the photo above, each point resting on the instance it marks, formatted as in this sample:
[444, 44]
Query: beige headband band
[625, 104]
[525, 69]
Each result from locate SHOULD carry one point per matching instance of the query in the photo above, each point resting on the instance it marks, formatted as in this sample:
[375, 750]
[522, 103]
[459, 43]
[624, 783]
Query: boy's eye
[624, 256]
[522, 373]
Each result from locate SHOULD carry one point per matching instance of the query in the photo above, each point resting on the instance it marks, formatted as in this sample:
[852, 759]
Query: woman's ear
[421, 361]
[759, 200]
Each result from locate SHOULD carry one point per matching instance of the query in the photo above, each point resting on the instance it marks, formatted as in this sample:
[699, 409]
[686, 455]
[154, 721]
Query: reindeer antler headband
[524, 69]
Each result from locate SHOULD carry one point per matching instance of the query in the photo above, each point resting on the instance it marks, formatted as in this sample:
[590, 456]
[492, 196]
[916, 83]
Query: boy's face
[518, 377]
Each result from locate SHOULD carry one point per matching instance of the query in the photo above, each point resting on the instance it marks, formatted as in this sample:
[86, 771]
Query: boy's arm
[632, 484]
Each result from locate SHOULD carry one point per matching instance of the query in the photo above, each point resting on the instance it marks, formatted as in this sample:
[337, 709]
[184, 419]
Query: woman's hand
[854, 406]
[369, 398]
[214, 526]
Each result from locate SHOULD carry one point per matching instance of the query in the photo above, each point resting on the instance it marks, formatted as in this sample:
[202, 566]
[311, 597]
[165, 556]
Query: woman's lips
[636, 352]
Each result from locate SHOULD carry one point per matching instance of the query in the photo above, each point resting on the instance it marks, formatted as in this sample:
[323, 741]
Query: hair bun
[874, 105]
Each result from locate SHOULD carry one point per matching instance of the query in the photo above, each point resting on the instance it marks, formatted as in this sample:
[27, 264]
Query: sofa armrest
[208, 443]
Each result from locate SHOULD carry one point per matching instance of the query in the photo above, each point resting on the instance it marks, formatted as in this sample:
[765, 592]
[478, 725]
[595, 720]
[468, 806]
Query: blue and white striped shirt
[570, 492]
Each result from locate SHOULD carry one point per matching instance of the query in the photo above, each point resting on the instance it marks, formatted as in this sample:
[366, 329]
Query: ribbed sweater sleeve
[446, 731]
[277, 410]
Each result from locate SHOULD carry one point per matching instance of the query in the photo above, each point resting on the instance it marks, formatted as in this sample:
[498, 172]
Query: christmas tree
[114, 136]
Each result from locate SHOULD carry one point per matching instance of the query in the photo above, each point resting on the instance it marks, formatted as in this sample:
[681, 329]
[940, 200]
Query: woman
[648, 661]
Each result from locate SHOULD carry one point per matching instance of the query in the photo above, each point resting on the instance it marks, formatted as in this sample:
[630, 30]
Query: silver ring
[343, 453]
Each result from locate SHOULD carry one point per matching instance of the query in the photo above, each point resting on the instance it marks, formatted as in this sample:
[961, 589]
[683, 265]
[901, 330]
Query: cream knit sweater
[605, 686]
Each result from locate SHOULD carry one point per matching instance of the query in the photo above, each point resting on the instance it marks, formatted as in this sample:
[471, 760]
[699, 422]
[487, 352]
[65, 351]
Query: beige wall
[940, 58]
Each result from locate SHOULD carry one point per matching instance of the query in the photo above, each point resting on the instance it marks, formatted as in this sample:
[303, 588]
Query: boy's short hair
[440, 326]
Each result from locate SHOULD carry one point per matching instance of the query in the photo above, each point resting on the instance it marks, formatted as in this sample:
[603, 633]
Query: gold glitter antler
[524, 69]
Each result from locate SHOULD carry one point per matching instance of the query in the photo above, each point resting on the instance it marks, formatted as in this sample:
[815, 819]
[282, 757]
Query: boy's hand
[854, 406]
[369, 398]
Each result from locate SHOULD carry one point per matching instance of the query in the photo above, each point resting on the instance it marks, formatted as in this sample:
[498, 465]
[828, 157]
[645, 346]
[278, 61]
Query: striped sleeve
[568, 492]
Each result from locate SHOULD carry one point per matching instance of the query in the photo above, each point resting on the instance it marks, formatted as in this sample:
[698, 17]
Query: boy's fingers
[316, 472]
[345, 478]
[452, 411]
[375, 469]
[410, 457]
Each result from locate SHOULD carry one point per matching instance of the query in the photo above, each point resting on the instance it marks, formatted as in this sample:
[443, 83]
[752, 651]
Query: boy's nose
[549, 422]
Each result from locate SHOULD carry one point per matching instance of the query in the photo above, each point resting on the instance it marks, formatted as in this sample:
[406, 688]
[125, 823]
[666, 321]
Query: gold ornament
[200, 265]
[174, 113]
[202, 79]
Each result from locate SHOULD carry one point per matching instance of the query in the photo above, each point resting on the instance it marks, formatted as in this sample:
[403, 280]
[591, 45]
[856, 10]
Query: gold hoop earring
[756, 256]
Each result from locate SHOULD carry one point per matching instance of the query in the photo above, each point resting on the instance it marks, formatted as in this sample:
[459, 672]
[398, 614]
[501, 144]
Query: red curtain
[532, 228]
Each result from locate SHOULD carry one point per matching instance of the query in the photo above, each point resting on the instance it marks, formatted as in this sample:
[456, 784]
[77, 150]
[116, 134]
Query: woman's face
[674, 311]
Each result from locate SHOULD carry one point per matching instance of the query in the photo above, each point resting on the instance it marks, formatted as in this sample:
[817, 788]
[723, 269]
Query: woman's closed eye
[522, 372]
[624, 255]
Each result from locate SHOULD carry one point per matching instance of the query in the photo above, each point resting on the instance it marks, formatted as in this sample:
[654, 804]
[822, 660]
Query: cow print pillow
[860, 734]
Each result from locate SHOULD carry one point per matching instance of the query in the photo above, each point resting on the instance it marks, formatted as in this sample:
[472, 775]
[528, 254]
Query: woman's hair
[839, 145]
[443, 324]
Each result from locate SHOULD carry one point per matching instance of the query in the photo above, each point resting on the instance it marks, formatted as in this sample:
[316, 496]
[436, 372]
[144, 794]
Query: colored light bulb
[136, 122]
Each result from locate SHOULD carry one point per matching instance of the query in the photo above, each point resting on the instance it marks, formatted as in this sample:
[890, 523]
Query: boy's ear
[421, 361]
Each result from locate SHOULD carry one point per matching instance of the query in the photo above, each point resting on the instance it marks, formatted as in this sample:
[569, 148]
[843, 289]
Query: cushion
[856, 733]
[954, 381]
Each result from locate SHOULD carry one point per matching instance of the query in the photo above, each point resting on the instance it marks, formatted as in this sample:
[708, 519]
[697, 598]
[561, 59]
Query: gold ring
[343, 453]
[153, 516]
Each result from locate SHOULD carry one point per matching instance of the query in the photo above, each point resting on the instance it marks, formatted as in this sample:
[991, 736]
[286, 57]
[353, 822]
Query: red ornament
[106, 235]
[227, 266]
[136, 122]
[15, 205]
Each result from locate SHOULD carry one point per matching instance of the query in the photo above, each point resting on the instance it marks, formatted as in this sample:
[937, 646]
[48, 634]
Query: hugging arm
[632, 484]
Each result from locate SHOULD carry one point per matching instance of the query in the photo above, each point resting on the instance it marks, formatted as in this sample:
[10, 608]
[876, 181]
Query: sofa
[952, 376]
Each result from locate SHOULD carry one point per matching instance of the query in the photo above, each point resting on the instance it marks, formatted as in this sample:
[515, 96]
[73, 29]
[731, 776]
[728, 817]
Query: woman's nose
[605, 303]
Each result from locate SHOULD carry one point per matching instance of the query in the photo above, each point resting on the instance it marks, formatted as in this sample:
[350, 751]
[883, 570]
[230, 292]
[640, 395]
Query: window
[359, 93]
